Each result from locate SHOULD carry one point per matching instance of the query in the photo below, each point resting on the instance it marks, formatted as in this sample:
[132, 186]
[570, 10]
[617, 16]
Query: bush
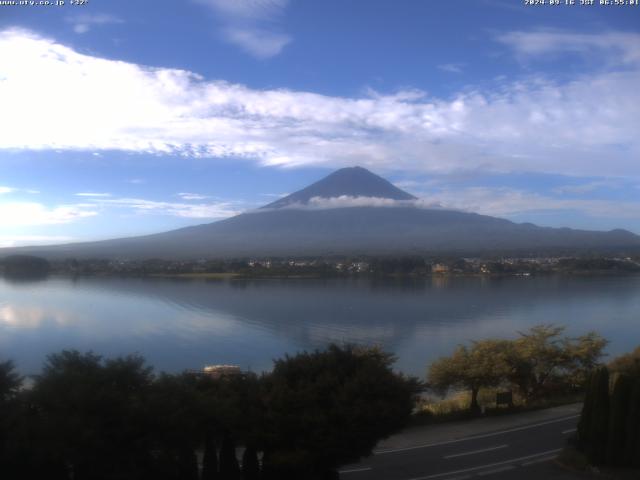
[91, 418]
[328, 408]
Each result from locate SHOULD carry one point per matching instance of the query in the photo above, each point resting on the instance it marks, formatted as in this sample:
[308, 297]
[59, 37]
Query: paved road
[516, 449]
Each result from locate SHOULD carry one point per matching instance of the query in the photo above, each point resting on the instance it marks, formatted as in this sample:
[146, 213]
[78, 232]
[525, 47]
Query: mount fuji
[350, 212]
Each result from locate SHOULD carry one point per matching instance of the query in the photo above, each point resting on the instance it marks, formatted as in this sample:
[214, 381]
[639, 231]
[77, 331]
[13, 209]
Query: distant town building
[361, 267]
[439, 268]
[217, 371]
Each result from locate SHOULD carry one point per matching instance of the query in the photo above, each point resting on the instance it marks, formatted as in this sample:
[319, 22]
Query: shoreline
[280, 276]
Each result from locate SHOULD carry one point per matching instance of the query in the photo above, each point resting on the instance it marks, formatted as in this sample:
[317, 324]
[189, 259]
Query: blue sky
[123, 118]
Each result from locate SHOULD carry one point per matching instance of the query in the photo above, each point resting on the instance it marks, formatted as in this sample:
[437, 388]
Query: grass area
[456, 406]
[573, 459]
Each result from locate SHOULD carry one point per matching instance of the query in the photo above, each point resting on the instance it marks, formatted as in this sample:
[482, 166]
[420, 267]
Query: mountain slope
[293, 226]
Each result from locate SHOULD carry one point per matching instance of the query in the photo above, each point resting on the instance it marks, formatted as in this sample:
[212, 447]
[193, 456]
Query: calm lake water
[180, 324]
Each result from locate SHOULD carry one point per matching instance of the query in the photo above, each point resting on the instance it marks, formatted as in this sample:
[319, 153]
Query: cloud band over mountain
[349, 201]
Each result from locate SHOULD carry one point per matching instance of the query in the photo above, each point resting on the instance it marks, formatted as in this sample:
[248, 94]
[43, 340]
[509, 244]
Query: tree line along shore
[410, 266]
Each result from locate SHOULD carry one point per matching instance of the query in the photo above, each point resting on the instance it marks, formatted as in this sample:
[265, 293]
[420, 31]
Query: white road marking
[474, 437]
[571, 430]
[354, 470]
[481, 467]
[496, 470]
[537, 460]
[476, 451]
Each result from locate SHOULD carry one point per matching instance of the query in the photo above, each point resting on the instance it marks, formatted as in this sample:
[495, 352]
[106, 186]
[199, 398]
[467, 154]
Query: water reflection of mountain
[179, 323]
[312, 312]
[25, 277]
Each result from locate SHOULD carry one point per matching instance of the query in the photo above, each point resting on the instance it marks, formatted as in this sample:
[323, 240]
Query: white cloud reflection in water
[186, 324]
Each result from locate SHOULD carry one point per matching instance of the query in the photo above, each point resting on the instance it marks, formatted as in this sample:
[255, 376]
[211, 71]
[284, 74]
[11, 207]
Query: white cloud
[5, 190]
[83, 22]
[192, 196]
[81, 28]
[24, 240]
[587, 187]
[185, 210]
[498, 202]
[27, 214]
[505, 202]
[348, 201]
[536, 125]
[451, 67]
[17, 214]
[275, 195]
[247, 9]
[344, 201]
[617, 47]
[260, 43]
[92, 194]
[250, 24]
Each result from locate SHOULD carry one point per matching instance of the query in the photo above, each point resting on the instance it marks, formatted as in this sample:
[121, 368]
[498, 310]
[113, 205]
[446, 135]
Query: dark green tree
[250, 464]
[232, 404]
[328, 408]
[229, 467]
[632, 442]
[10, 381]
[178, 429]
[91, 414]
[618, 420]
[10, 421]
[595, 424]
[235, 405]
[584, 422]
[187, 464]
[210, 459]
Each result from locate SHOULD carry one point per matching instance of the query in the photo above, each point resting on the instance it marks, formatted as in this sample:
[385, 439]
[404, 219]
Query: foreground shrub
[328, 408]
[89, 418]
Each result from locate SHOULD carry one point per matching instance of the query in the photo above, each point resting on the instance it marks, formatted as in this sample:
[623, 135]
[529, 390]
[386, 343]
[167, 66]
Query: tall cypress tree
[268, 470]
[587, 412]
[618, 414]
[187, 464]
[166, 466]
[229, 467]
[250, 464]
[632, 442]
[210, 459]
[596, 445]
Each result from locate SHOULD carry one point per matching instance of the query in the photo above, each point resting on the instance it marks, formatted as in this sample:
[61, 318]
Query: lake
[183, 324]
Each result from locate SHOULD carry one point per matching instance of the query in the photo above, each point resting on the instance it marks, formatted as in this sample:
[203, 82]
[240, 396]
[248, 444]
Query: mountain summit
[352, 182]
[393, 226]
